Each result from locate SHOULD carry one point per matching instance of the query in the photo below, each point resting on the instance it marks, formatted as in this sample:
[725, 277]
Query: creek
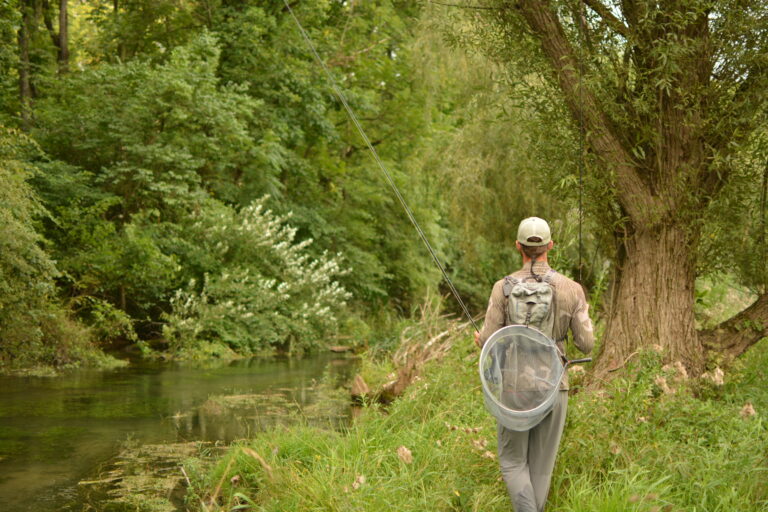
[58, 431]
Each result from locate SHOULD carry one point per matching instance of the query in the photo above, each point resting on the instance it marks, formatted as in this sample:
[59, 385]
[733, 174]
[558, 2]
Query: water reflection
[57, 431]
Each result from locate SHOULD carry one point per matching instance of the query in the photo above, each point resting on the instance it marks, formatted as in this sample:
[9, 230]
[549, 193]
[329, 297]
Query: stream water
[57, 431]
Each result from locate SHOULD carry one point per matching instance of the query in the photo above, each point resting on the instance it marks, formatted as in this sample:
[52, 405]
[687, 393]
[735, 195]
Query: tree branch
[609, 18]
[48, 22]
[734, 336]
[463, 6]
[352, 148]
[347, 60]
[633, 193]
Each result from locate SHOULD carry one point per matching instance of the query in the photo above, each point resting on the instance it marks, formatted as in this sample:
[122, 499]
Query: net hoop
[519, 420]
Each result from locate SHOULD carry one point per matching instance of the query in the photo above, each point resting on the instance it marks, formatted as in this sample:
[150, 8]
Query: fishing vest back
[531, 302]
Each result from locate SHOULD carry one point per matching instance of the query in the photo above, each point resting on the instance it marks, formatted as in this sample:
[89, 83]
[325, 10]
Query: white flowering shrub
[260, 287]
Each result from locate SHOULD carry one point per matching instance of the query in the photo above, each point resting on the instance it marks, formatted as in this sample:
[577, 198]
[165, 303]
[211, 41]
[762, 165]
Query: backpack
[531, 303]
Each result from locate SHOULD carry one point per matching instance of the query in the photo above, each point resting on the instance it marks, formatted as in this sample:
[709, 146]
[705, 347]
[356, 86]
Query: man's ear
[519, 247]
[550, 245]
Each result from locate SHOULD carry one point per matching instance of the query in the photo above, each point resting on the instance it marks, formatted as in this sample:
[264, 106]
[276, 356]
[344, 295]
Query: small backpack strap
[547, 278]
[509, 282]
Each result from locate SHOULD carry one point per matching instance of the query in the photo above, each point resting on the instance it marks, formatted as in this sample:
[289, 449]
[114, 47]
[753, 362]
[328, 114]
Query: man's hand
[477, 340]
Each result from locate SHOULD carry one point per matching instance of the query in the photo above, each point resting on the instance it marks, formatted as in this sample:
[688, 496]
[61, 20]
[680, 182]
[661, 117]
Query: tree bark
[63, 37]
[763, 236]
[60, 38]
[653, 301]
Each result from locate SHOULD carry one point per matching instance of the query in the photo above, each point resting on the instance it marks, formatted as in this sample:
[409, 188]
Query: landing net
[520, 370]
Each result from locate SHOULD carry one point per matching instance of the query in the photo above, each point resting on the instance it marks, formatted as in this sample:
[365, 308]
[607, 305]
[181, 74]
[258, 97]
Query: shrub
[648, 434]
[153, 134]
[259, 286]
[34, 328]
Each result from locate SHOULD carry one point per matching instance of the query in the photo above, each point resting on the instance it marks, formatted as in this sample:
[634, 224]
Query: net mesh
[520, 369]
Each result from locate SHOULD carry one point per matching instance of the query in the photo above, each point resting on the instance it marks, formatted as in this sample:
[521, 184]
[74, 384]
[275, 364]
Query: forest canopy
[180, 175]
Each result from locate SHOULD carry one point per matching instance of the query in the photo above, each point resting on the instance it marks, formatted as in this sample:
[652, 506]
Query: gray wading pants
[528, 458]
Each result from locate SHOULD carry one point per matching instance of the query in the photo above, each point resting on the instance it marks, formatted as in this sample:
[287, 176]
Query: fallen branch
[409, 359]
[623, 363]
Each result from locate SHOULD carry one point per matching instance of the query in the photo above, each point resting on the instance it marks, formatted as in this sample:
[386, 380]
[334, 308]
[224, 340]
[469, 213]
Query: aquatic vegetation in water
[146, 478]
[229, 417]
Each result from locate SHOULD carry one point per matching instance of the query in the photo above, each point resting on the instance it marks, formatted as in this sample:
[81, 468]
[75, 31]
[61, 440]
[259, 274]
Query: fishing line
[383, 168]
[582, 136]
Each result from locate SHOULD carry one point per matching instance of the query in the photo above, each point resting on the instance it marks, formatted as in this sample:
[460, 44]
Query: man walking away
[527, 459]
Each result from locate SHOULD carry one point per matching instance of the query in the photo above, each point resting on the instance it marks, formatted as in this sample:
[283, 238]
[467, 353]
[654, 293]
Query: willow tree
[666, 93]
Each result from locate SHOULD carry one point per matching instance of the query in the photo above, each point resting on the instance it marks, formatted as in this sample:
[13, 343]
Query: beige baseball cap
[534, 232]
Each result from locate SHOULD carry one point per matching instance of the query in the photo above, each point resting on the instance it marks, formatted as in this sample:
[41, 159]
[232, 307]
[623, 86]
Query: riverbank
[652, 440]
[93, 359]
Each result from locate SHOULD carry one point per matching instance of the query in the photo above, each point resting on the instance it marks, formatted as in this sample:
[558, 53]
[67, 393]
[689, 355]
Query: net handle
[578, 361]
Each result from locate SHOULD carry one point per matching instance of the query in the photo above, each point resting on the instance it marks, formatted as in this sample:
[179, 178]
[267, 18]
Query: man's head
[534, 237]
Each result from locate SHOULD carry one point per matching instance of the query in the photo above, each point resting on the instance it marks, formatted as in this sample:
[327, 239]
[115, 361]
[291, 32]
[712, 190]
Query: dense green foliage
[644, 71]
[156, 142]
[155, 133]
[34, 328]
[734, 241]
[188, 180]
[632, 446]
[667, 101]
[170, 120]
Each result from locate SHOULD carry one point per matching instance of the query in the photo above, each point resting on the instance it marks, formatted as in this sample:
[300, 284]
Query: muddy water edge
[64, 440]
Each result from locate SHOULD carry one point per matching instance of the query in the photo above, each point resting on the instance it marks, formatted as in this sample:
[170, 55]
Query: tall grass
[629, 447]
[688, 448]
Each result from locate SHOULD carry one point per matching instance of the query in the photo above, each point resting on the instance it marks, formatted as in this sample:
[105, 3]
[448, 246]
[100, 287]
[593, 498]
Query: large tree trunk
[653, 301]
[653, 147]
[654, 291]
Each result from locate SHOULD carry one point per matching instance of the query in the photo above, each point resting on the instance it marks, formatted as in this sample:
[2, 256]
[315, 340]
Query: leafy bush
[34, 328]
[153, 134]
[104, 263]
[259, 286]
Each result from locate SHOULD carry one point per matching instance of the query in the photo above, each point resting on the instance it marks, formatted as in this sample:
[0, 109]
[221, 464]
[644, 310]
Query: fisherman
[528, 458]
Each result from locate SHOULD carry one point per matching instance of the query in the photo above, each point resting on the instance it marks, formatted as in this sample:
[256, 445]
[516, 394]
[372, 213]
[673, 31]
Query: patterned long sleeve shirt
[570, 308]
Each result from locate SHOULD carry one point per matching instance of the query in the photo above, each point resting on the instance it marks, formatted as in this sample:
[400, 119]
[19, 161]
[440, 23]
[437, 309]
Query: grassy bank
[641, 444]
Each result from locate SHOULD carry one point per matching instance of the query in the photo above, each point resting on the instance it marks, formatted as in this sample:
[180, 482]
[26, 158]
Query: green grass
[689, 450]
[630, 447]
